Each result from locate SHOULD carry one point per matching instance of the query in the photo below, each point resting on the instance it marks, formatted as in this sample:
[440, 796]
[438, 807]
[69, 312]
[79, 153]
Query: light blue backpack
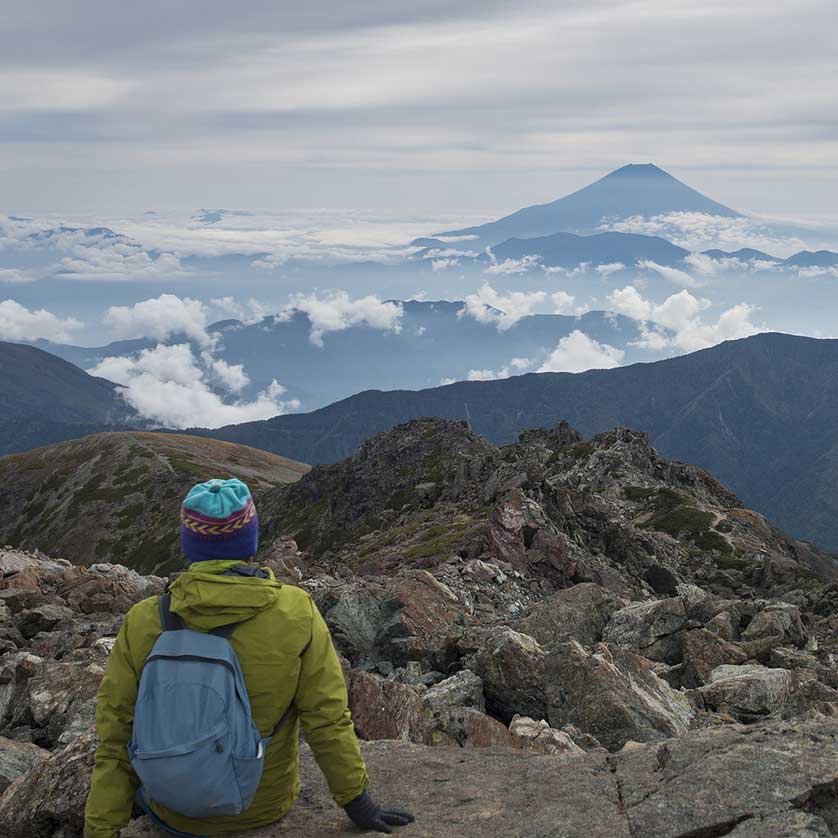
[195, 746]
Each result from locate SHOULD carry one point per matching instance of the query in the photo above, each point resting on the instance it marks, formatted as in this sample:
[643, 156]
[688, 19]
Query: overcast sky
[480, 106]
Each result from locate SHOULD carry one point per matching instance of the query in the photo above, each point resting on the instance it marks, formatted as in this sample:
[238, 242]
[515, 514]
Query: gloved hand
[365, 813]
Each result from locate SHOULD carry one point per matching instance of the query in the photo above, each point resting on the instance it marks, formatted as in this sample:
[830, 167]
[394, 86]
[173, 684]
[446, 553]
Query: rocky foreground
[557, 638]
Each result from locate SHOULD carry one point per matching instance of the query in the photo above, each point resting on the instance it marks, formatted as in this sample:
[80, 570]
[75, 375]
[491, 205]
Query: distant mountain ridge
[37, 384]
[635, 189]
[568, 250]
[434, 342]
[760, 413]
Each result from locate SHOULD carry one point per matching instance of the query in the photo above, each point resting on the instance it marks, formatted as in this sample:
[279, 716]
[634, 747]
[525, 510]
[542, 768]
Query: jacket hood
[206, 599]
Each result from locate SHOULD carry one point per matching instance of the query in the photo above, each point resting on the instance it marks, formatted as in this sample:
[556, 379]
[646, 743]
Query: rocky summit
[560, 637]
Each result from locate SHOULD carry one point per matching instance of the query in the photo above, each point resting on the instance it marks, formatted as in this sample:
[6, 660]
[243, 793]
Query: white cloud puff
[336, 311]
[168, 385]
[20, 323]
[515, 367]
[248, 313]
[577, 352]
[676, 322]
[513, 266]
[674, 275]
[160, 318]
[487, 305]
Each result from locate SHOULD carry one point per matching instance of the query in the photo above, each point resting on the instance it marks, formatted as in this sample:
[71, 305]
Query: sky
[476, 107]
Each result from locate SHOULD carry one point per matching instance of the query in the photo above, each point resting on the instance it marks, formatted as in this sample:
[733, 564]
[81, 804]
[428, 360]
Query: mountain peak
[637, 189]
[639, 170]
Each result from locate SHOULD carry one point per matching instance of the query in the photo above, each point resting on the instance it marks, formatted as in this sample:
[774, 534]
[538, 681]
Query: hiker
[199, 711]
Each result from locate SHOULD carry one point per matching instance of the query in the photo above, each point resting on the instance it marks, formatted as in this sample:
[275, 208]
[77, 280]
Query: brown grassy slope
[114, 497]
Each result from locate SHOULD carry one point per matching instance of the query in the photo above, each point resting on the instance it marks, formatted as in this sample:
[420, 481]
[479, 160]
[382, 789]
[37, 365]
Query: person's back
[290, 669]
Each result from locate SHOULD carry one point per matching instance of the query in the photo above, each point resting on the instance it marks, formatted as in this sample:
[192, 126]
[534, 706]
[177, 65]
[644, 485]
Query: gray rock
[511, 665]
[464, 689]
[723, 778]
[42, 618]
[579, 613]
[748, 690]
[703, 651]
[710, 783]
[778, 621]
[16, 758]
[785, 825]
[649, 628]
[613, 695]
[48, 801]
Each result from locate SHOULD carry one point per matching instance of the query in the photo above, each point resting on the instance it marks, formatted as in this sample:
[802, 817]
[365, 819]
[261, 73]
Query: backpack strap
[282, 721]
[168, 619]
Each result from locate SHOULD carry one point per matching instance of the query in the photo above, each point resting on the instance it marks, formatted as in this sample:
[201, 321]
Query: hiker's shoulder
[143, 611]
[290, 596]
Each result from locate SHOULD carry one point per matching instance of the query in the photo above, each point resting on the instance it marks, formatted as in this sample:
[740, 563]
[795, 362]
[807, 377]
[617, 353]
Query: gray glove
[365, 813]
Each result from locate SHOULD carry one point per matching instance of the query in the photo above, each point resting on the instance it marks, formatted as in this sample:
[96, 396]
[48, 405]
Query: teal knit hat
[219, 521]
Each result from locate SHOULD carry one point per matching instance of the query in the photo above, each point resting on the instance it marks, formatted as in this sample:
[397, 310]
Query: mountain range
[760, 413]
[434, 342]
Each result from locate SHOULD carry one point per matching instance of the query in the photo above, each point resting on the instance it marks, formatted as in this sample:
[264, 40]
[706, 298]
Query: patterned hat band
[201, 525]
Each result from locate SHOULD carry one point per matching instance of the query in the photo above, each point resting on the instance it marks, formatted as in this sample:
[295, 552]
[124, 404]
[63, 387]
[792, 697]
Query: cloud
[515, 367]
[487, 305]
[513, 266]
[610, 268]
[170, 386]
[14, 276]
[337, 311]
[673, 275]
[676, 322]
[564, 303]
[248, 313]
[444, 264]
[160, 318]
[697, 231]
[232, 376]
[503, 310]
[20, 323]
[578, 352]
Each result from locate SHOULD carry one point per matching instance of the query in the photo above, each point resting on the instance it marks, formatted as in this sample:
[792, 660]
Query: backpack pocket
[196, 779]
[249, 775]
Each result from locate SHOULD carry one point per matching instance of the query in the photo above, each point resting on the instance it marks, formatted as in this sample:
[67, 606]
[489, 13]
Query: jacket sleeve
[114, 783]
[322, 705]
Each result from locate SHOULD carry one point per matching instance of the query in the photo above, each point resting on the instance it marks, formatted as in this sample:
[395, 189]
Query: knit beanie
[218, 521]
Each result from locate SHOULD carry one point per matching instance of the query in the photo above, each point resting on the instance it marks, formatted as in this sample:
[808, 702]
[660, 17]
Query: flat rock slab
[772, 781]
[491, 793]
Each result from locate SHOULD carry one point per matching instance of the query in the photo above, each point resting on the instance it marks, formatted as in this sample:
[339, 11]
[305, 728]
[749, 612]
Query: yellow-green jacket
[287, 657]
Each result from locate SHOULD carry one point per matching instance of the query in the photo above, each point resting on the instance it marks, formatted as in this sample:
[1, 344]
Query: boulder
[463, 689]
[747, 691]
[539, 736]
[48, 801]
[511, 665]
[56, 700]
[16, 758]
[612, 694]
[649, 628]
[778, 623]
[42, 618]
[579, 613]
[383, 709]
[703, 651]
